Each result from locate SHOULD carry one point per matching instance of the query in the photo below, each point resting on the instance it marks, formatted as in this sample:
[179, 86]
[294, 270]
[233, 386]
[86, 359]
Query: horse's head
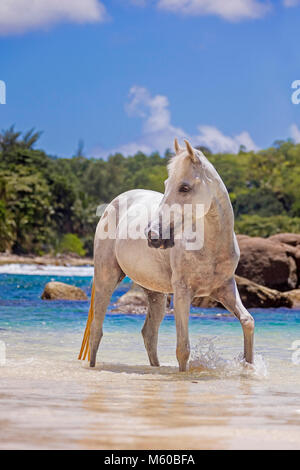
[190, 184]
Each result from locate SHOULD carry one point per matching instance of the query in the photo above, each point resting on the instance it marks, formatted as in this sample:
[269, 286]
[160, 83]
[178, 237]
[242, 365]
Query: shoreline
[46, 260]
[253, 294]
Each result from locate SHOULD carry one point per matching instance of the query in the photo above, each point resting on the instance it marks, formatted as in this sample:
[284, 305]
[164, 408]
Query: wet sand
[68, 406]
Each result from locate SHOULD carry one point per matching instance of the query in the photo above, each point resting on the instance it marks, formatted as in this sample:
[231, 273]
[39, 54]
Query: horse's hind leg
[156, 311]
[229, 296]
[106, 277]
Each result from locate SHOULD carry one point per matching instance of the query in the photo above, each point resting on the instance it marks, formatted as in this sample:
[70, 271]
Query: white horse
[159, 259]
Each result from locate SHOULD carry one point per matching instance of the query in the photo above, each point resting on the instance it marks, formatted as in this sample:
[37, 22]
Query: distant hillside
[48, 204]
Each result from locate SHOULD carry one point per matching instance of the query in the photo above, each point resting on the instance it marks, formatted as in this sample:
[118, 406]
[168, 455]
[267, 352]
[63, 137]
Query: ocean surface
[50, 400]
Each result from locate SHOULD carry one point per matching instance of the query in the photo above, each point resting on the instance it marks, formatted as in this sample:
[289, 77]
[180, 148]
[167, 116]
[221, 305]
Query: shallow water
[49, 399]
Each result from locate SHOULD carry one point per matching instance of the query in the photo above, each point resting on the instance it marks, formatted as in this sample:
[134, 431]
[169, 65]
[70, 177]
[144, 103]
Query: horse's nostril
[152, 235]
[155, 243]
[154, 240]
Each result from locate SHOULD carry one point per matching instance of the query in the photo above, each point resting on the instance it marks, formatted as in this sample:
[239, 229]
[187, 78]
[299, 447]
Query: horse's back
[120, 205]
[145, 197]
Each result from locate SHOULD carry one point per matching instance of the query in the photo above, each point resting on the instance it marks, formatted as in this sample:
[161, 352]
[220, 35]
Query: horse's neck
[220, 220]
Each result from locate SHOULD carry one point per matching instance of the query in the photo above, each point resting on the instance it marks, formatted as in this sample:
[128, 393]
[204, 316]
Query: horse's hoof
[154, 364]
[247, 365]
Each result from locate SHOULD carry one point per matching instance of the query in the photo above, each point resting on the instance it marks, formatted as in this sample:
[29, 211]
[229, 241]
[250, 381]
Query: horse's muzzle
[155, 240]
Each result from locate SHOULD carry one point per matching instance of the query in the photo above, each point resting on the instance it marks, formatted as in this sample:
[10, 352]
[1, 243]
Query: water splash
[257, 369]
[205, 358]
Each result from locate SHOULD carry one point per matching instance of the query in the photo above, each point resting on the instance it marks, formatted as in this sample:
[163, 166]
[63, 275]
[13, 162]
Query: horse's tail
[85, 346]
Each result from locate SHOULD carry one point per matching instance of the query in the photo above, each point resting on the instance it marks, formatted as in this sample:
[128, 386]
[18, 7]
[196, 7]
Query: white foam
[205, 358]
[50, 270]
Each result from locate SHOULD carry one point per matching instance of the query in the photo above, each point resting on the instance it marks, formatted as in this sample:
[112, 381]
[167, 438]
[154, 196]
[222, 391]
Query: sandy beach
[46, 260]
[131, 407]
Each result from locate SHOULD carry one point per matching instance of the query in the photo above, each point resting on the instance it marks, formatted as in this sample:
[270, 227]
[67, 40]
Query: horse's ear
[177, 147]
[191, 151]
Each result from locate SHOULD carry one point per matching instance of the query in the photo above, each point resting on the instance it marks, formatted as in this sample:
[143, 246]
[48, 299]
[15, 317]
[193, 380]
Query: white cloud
[295, 133]
[18, 16]
[154, 110]
[158, 132]
[216, 141]
[232, 10]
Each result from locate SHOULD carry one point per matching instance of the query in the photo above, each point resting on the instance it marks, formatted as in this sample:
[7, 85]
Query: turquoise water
[21, 309]
[44, 388]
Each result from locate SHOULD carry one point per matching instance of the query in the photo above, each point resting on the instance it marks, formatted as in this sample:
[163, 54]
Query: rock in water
[253, 296]
[292, 239]
[294, 296]
[135, 296]
[268, 262]
[60, 291]
[135, 301]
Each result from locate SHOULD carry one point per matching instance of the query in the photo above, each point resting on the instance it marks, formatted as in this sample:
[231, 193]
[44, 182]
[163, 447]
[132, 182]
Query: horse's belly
[146, 266]
[205, 288]
[209, 275]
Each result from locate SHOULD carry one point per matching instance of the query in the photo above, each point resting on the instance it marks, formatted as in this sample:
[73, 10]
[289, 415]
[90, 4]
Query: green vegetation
[257, 226]
[70, 243]
[48, 204]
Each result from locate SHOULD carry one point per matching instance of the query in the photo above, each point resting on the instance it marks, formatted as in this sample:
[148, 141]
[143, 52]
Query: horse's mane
[175, 159]
[173, 163]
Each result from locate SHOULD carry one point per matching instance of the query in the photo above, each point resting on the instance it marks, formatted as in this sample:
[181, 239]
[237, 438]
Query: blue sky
[133, 74]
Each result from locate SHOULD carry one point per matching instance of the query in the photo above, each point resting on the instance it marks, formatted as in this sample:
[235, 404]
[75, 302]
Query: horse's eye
[184, 188]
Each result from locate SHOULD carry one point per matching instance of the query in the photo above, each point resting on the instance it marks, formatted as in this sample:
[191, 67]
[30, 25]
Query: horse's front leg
[156, 311]
[229, 296]
[182, 303]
